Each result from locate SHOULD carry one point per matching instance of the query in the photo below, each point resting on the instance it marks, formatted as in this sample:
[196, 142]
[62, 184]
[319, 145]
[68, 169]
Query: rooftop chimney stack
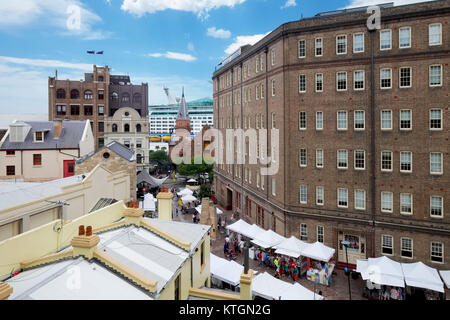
[57, 128]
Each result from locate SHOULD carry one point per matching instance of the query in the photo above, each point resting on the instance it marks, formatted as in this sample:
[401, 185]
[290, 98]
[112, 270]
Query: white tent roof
[255, 232]
[184, 192]
[268, 239]
[291, 247]
[299, 292]
[199, 210]
[383, 271]
[192, 180]
[149, 202]
[422, 276]
[267, 286]
[239, 226]
[446, 277]
[188, 198]
[224, 270]
[318, 251]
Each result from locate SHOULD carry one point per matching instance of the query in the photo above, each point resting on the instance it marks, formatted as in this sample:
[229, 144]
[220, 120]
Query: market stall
[316, 262]
[384, 278]
[290, 247]
[223, 270]
[185, 192]
[268, 239]
[419, 275]
[240, 227]
[199, 210]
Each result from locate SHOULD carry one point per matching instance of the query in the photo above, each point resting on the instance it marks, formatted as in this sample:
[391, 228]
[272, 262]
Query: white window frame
[337, 81]
[317, 196]
[364, 120]
[431, 252]
[381, 79]
[298, 48]
[322, 234]
[354, 159]
[315, 47]
[274, 187]
[383, 246]
[317, 164]
[299, 81]
[399, 38]
[442, 207]
[339, 205]
[440, 35]
[381, 201]
[400, 161]
[305, 193]
[363, 42]
[441, 119]
[400, 77]
[441, 75]
[401, 248]
[337, 44]
[273, 57]
[390, 40]
[317, 127]
[346, 120]
[400, 120]
[392, 161]
[303, 236]
[442, 164]
[364, 199]
[273, 87]
[316, 82]
[364, 80]
[300, 122]
[411, 204]
[300, 158]
[381, 120]
[42, 133]
[346, 160]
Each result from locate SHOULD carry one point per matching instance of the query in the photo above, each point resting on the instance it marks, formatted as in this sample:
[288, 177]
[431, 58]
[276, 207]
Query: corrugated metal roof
[69, 138]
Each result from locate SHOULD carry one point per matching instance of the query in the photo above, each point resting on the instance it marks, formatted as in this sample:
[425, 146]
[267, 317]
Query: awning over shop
[318, 251]
[239, 226]
[383, 271]
[268, 287]
[420, 275]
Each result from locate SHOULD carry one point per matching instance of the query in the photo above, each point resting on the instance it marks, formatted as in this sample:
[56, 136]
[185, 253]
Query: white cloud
[289, 3]
[363, 3]
[55, 13]
[243, 40]
[174, 55]
[199, 7]
[45, 63]
[218, 33]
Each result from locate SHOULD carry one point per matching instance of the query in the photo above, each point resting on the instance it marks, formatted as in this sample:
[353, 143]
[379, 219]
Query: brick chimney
[57, 128]
[85, 243]
[165, 204]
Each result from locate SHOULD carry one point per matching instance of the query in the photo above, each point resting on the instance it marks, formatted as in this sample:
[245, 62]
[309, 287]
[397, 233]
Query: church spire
[183, 110]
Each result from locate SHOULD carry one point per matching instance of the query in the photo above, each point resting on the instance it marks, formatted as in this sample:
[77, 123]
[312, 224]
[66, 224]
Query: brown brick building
[364, 135]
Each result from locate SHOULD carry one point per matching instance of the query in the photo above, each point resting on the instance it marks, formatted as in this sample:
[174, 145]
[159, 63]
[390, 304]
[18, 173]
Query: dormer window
[39, 136]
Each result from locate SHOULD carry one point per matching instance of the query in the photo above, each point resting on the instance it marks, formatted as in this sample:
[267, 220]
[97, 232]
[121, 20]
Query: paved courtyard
[337, 290]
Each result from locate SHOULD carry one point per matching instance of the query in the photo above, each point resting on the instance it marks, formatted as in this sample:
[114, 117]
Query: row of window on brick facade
[88, 95]
[61, 110]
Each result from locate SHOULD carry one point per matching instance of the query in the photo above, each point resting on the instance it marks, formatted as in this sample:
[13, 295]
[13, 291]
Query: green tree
[197, 167]
[159, 155]
[204, 192]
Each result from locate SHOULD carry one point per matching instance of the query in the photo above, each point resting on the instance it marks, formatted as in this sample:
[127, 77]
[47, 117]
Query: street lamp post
[346, 244]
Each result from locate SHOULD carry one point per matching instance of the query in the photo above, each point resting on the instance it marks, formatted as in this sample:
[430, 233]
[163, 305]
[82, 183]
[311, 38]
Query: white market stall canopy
[185, 192]
[199, 210]
[291, 247]
[420, 275]
[188, 198]
[268, 287]
[192, 180]
[224, 270]
[239, 226]
[254, 232]
[318, 251]
[383, 271]
[149, 203]
[268, 239]
[446, 277]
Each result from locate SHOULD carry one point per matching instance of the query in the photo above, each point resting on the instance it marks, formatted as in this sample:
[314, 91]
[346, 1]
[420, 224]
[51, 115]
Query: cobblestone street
[337, 290]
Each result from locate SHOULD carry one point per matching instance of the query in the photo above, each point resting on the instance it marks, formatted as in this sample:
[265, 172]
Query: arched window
[137, 98]
[101, 79]
[74, 94]
[60, 94]
[138, 128]
[115, 96]
[114, 127]
[139, 158]
[125, 97]
[88, 95]
[126, 127]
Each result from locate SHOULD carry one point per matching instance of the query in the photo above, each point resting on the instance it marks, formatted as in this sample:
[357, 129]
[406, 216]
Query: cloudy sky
[170, 43]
